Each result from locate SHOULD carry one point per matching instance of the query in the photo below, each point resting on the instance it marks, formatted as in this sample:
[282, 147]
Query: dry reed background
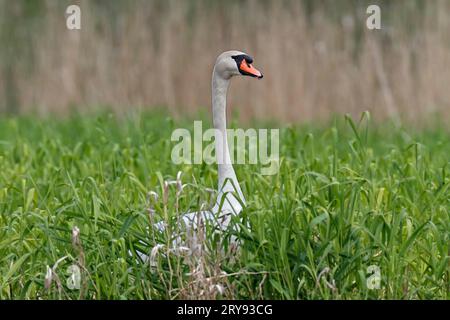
[317, 56]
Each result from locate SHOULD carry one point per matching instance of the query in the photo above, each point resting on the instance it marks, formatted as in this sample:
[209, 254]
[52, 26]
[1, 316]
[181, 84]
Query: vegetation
[82, 191]
[317, 56]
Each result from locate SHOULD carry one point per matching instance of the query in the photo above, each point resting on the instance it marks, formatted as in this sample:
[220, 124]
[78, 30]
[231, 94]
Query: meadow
[350, 194]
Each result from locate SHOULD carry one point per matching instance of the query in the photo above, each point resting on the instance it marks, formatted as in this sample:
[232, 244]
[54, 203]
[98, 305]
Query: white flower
[48, 278]
[153, 254]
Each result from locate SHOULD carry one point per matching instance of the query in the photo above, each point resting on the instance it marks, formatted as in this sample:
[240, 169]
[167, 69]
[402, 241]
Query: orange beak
[250, 70]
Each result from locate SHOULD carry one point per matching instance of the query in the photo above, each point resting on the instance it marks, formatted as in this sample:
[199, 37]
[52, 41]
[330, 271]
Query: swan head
[236, 63]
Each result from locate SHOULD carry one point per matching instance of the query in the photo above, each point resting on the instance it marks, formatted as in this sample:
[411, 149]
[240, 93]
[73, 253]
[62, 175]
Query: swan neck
[225, 168]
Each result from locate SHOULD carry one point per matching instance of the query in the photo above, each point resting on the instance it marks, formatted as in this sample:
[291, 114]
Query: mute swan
[230, 198]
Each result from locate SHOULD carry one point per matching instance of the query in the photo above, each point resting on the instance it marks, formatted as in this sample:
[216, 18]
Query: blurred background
[317, 56]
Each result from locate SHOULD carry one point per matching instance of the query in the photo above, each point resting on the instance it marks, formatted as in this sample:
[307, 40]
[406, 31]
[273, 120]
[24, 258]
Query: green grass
[348, 195]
